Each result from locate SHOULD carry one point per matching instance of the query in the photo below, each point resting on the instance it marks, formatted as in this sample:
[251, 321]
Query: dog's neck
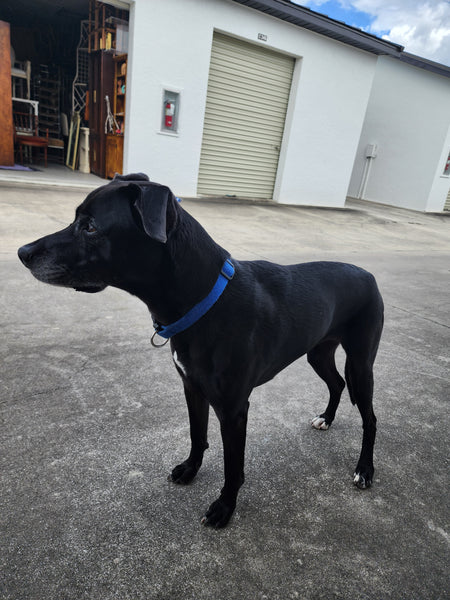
[190, 266]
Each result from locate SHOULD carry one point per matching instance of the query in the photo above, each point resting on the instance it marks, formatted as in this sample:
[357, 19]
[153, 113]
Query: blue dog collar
[200, 309]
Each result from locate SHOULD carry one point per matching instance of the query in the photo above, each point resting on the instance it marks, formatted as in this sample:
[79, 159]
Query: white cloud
[422, 26]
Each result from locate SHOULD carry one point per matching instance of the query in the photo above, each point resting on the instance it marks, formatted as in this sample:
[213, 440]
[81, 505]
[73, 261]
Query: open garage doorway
[67, 63]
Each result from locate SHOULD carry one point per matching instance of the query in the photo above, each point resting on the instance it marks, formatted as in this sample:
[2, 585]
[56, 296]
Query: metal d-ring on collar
[154, 344]
[192, 316]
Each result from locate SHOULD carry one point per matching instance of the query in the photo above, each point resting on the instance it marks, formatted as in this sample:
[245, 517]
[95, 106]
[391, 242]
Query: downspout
[371, 153]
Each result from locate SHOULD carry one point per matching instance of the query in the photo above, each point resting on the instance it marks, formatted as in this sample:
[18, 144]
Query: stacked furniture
[47, 90]
[107, 88]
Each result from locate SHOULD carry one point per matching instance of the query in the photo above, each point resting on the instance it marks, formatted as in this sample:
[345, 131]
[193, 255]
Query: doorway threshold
[53, 175]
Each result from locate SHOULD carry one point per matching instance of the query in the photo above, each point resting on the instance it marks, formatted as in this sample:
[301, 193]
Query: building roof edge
[302, 16]
[314, 21]
[424, 63]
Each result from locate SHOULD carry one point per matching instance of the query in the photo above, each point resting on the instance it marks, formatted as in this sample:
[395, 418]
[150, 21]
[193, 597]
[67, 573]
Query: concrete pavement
[93, 419]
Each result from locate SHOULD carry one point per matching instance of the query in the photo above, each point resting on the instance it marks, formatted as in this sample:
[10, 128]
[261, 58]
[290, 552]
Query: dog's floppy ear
[156, 206]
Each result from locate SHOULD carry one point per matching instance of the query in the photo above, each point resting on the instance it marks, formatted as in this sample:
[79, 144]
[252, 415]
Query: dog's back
[285, 311]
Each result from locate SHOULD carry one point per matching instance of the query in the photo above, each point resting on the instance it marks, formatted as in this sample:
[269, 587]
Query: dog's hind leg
[359, 376]
[198, 409]
[360, 343]
[321, 358]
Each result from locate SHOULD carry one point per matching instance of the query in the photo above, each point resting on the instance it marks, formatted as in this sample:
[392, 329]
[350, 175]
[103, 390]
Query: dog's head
[114, 228]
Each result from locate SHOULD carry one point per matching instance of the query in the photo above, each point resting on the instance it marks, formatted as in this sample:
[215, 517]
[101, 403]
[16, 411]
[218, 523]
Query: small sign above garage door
[248, 94]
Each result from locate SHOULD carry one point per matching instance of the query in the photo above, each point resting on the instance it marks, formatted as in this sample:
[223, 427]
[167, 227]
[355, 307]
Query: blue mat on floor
[17, 168]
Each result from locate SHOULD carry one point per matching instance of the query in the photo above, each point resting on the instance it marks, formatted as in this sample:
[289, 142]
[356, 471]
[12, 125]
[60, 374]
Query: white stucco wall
[441, 183]
[408, 117]
[170, 45]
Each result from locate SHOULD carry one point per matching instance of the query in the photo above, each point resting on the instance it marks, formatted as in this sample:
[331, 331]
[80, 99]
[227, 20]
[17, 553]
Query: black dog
[233, 325]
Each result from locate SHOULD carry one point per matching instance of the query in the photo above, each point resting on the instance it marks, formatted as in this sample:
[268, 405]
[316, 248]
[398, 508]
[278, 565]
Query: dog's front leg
[233, 429]
[198, 409]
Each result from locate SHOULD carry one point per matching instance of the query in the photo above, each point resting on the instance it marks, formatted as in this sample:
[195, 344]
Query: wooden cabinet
[101, 84]
[107, 77]
[120, 82]
[114, 155]
[6, 118]
[114, 143]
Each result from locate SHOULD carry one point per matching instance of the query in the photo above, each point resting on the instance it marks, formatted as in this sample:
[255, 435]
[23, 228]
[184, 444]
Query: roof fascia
[308, 19]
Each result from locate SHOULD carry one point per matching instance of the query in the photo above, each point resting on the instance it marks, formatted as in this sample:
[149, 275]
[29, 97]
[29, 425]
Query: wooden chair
[20, 71]
[27, 133]
[56, 150]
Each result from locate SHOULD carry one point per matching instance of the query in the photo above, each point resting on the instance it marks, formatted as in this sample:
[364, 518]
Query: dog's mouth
[50, 273]
[89, 289]
[60, 276]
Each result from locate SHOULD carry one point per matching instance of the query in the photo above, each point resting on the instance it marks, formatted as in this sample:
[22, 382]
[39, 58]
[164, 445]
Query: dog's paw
[320, 423]
[362, 480]
[184, 473]
[218, 514]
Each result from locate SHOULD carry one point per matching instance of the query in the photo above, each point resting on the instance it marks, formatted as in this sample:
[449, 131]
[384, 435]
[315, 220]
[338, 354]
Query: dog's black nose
[25, 253]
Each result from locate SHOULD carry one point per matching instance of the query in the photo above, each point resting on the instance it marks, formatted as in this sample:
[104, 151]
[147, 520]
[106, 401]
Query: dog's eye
[90, 228]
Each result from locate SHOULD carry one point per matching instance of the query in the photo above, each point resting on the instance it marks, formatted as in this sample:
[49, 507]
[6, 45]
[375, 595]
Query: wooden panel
[6, 118]
[101, 82]
[114, 154]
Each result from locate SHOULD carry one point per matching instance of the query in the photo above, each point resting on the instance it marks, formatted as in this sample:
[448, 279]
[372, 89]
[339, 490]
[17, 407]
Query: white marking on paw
[359, 481]
[179, 364]
[319, 423]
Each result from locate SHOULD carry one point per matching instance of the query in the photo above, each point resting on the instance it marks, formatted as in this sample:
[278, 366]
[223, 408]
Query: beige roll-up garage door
[447, 202]
[248, 93]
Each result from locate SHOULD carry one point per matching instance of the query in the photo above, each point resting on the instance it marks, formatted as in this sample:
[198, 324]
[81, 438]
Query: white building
[269, 100]
[292, 138]
[407, 130]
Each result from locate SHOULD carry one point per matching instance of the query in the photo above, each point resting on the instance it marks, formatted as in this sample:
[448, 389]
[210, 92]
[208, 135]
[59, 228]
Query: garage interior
[63, 76]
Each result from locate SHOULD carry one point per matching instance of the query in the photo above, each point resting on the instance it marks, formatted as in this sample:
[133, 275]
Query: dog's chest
[179, 364]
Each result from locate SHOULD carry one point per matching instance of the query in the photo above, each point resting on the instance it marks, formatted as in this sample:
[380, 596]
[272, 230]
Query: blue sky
[348, 14]
[421, 26]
